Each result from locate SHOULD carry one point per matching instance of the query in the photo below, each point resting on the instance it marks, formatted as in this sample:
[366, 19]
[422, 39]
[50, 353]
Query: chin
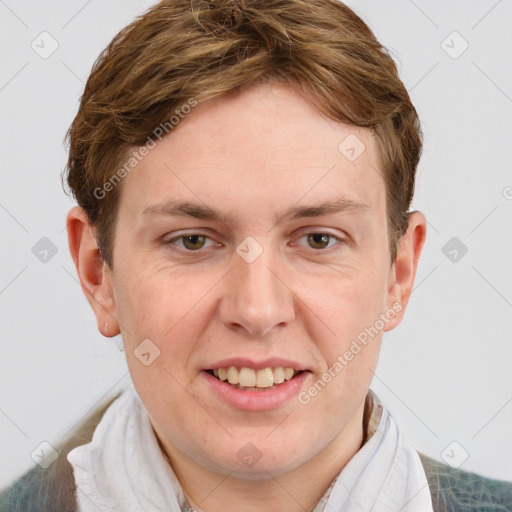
[258, 460]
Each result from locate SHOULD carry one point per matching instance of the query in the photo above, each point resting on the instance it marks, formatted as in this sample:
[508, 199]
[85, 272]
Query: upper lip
[271, 362]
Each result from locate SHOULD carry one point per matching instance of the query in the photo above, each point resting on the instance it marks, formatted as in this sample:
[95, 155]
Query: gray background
[445, 372]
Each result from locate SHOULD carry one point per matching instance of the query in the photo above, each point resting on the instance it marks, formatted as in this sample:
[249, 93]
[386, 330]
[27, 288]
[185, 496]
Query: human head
[180, 53]
[248, 152]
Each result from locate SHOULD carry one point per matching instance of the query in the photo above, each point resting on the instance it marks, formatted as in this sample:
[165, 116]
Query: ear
[93, 272]
[403, 269]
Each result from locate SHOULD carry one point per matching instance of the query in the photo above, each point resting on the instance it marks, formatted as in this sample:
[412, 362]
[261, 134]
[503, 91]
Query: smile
[249, 379]
[251, 389]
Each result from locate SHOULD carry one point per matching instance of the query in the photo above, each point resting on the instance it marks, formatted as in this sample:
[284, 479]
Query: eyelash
[314, 251]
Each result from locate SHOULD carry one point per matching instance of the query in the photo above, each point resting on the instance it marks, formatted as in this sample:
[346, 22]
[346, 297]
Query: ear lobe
[93, 273]
[403, 270]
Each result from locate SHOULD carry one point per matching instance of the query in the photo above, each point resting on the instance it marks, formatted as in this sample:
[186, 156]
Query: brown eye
[193, 242]
[318, 240]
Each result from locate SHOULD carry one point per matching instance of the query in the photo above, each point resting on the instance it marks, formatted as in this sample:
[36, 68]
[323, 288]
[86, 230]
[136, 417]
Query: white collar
[123, 469]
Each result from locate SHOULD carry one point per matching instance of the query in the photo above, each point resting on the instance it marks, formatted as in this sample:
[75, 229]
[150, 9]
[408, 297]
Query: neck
[298, 490]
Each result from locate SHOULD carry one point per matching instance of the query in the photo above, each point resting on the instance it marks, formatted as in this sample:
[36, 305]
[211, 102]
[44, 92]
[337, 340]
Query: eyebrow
[201, 211]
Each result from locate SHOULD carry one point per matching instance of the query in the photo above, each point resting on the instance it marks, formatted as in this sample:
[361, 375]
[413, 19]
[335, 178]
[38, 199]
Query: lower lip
[257, 400]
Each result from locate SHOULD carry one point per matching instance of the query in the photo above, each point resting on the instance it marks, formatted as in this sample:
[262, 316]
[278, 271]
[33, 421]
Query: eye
[319, 241]
[194, 242]
[191, 241]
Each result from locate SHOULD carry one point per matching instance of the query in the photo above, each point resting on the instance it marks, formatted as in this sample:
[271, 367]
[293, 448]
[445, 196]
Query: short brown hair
[180, 50]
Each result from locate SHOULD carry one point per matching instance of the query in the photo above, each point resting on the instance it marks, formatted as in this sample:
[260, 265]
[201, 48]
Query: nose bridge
[257, 298]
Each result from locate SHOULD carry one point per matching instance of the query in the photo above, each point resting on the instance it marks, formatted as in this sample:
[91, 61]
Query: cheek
[154, 302]
[347, 334]
[345, 302]
[163, 318]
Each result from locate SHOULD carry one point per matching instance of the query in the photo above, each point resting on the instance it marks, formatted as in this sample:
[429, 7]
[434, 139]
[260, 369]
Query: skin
[251, 155]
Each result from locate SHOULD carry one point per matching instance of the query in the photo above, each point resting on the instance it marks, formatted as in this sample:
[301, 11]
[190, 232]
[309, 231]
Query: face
[270, 280]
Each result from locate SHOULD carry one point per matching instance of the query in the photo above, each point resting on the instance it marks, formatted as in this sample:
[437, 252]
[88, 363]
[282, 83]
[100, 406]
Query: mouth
[250, 379]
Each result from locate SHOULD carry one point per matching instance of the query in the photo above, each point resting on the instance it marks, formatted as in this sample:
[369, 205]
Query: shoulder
[52, 489]
[48, 490]
[455, 490]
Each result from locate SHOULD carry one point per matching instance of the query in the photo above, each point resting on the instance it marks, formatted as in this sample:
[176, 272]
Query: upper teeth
[248, 377]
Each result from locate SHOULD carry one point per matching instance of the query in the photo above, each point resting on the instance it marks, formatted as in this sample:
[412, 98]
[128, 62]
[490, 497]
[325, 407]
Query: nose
[257, 297]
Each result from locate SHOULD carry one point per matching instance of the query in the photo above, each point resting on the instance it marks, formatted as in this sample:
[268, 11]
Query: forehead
[264, 148]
